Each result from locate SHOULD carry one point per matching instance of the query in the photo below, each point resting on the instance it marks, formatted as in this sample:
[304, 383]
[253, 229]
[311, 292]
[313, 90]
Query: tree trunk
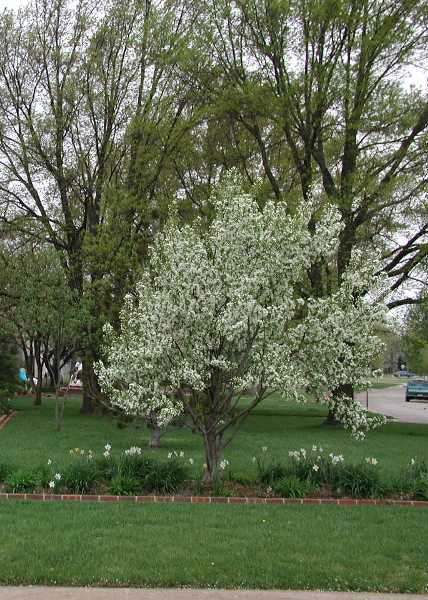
[155, 440]
[213, 454]
[90, 385]
[59, 410]
[38, 388]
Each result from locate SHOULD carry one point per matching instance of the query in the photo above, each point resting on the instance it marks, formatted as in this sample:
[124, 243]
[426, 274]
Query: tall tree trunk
[90, 385]
[39, 362]
[59, 409]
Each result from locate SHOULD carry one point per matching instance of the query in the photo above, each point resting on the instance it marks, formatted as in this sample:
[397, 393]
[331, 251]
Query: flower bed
[306, 475]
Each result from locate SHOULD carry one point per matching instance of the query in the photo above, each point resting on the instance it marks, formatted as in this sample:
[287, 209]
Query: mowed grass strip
[30, 438]
[295, 547]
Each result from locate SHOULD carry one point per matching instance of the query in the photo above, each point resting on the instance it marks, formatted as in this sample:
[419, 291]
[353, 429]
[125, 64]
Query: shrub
[80, 476]
[293, 487]
[21, 481]
[360, 481]
[123, 485]
[165, 477]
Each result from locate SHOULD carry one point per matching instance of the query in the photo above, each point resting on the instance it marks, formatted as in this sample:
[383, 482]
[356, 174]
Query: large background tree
[322, 88]
[90, 113]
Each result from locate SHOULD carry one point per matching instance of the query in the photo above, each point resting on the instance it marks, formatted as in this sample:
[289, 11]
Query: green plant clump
[166, 477]
[80, 476]
[21, 482]
[359, 481]
[292, 487]
[5, 470]
[123, 485]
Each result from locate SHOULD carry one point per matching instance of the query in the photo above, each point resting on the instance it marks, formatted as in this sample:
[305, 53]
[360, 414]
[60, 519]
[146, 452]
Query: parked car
[417, 388]
[404, 374]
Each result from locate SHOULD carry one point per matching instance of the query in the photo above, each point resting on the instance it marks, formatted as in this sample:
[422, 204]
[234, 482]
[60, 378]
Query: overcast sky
[11, 3]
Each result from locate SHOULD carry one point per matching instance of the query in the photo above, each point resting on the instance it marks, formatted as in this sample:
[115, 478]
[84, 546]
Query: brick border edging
[5, 419]
[212, 500]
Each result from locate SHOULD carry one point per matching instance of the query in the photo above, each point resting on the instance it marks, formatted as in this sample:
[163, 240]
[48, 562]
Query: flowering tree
[223, 309]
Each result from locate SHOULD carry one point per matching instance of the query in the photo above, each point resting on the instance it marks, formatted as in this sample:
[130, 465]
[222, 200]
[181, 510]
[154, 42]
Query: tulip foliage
[223, 308]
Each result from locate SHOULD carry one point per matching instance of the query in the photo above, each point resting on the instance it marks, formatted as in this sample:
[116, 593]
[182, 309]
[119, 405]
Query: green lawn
[297, 547]
[314, 547]
[30, 438]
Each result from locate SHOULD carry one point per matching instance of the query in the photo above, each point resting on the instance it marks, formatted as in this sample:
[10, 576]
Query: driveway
[391, 403]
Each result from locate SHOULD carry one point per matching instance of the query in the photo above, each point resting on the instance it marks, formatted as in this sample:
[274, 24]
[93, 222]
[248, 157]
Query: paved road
[391, 402]
[58, 593]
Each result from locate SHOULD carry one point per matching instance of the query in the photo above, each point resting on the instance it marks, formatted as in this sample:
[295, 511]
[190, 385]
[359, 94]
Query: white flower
[51, 484]
[254, 459]
[181, 454]
[223, 464]
[57, 476]
[49, 461]
[191, 461]
[320, 449]
[169, 454]
[133, 451]
[264, 448]
[315, 468]
[314, 448]
[107, 447]
[371, 461]
[82, 452]
[106, 454]
[412, 461]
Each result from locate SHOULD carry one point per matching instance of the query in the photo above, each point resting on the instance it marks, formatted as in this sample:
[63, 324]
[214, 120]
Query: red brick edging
[4, 419]
[211, 500]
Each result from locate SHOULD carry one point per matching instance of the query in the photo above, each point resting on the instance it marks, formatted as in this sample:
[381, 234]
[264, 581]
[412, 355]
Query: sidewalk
[59, 593]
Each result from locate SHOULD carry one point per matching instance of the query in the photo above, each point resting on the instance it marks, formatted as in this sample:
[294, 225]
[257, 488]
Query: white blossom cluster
[221, 310]
[354, 417]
